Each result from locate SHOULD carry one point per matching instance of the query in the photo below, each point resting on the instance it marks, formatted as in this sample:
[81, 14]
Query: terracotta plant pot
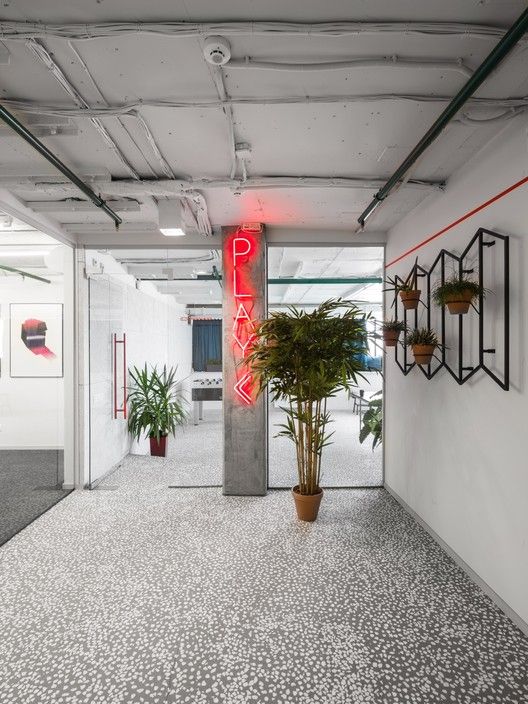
[458, 303]
[410, 299]
[423, 353]
[390, 337]
[158, 448]
[307, 505]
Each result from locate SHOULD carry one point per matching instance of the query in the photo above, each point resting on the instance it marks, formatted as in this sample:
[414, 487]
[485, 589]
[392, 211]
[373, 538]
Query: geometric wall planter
[479, 340]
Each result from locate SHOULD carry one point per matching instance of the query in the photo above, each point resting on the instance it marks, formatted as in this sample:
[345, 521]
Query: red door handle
[123, 408]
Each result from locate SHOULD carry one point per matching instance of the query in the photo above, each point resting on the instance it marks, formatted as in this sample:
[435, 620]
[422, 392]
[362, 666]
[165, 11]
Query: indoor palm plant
[305, 358]
[156, 406]
[391, 330]
[423, 342]
[457, 293]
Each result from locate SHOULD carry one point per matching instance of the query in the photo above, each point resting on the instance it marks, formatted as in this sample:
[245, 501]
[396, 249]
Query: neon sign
[240, 250]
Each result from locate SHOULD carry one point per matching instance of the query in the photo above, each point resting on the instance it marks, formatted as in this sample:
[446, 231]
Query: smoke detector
[217, 51]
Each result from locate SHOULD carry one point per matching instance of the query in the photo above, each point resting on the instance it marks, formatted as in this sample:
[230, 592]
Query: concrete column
[244, 288]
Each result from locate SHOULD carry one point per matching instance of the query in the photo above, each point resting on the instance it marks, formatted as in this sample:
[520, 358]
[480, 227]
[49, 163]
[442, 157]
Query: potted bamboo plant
[305, 358]
[391, 330]
[156, 406]
[457, 293]
[423, 342]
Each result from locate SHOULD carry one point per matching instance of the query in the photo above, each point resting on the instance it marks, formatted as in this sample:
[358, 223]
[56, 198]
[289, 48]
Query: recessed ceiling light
[171, 218]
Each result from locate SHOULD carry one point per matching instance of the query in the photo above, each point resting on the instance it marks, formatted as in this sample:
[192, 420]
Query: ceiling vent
[217, 51]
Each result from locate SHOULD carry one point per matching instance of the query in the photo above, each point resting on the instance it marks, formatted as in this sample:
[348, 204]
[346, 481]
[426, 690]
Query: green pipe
[24, 273]
[341, 280]
[501, 50]
[41, 148]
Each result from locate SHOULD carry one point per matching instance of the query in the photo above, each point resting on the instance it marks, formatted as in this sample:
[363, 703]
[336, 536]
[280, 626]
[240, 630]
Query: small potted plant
[423, 342]
[457, 293]
[407, 289]
[305, 358]
[391, 330]
[156, 406]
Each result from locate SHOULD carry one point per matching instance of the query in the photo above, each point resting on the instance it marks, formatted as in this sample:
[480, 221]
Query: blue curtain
[206, 343]
[367, 362]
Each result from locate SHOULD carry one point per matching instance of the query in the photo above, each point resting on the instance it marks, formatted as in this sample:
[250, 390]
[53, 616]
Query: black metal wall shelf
[485, 246]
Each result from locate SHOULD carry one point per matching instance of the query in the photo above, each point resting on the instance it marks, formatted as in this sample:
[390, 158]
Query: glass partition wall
[35, 364]
[160, 307]
[304, 277]
[155, 308]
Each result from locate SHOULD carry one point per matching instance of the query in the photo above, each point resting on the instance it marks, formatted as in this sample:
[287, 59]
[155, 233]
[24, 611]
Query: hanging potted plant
[391, 330]
[407, 289]
[305, 358]
[423, 342]
[156, 407]
[457, 293]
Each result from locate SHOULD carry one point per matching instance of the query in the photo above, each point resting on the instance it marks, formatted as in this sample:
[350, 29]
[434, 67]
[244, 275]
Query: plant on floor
[423, 342]
[373, 421]
[458, 293]
[391, 330]
[155, 405]
[306, 358]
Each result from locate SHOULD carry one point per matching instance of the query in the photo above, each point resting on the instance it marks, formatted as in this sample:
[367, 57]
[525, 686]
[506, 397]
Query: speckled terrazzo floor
[30, 483]
[195, 455]
[136, 593]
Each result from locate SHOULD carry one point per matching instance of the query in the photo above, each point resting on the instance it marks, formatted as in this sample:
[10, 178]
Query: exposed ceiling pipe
[41, 148]
[24, 274]
[94, 30]
[187, 188]
[212, 255]
[218, 80]
[507, 115]
[43, 55]
[76, 205]
[283, 281]
[357, 62]
[215, 104]
[489, 64]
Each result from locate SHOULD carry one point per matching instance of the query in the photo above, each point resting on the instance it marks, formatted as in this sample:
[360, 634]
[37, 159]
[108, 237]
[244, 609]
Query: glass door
[155, 309]
[35, 357]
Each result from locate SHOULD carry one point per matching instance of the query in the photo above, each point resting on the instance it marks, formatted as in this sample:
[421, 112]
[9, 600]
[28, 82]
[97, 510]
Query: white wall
[156, 334]
[31, 410]
[457, 455]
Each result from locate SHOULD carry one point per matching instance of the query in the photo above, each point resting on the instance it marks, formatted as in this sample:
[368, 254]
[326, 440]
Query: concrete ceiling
[318, 126]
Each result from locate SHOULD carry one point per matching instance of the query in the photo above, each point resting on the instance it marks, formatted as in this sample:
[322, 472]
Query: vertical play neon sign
[239, 252]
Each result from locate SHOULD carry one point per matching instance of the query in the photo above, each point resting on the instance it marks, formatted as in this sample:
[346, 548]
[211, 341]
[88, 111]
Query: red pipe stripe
[457, 222]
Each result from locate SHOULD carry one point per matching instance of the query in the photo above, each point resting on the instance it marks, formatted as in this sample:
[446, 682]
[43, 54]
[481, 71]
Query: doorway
[155, 308]
[304, 277]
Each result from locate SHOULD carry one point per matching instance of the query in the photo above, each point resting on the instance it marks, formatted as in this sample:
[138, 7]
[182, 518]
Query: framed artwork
[36, 340]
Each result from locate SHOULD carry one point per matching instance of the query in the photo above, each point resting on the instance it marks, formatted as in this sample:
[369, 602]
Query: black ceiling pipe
[41, 148]
[506, 44]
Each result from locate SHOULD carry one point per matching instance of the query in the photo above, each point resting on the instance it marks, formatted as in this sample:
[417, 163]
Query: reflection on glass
[32, 295]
